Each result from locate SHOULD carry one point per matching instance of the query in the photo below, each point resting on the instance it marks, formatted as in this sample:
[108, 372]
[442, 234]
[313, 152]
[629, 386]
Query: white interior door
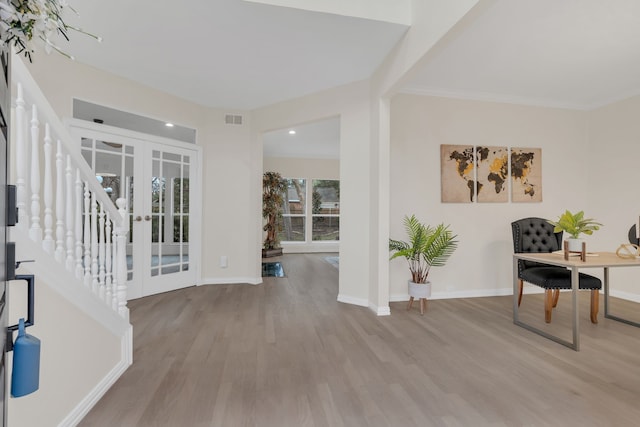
[159, 180]
[165, 219]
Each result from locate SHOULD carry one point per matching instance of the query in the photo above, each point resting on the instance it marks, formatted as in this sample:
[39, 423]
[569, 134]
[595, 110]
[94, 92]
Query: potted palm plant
[427, 247]
[574, 225]
[274, 189]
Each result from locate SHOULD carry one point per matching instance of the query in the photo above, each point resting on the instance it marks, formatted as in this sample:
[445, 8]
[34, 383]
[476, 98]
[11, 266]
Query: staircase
[70, 227]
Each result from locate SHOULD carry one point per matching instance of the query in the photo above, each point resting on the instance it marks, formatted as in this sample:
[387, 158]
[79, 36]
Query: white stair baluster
[87, 236]
[35, 231]
[59, 203]
[101, 253]
[114, 284]
[94, 243]
[78, 225]
[107, 261]
[48, 243]
[21, 161]
[70, 262]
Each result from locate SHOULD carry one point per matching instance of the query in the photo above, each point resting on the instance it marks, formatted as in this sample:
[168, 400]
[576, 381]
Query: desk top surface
[594, 259]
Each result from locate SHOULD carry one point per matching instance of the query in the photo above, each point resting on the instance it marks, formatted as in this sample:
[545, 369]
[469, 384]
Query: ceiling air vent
[230, 119]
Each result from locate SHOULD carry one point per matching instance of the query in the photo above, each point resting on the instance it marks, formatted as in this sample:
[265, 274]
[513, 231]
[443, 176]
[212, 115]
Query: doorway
[159, 180]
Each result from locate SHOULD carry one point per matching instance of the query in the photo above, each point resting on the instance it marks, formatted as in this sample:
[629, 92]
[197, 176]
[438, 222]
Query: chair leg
[548, 304]
[556, 295]
[520, 293]
[595, 305]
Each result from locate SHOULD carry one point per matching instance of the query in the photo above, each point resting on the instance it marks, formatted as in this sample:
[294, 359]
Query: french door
[158, 178]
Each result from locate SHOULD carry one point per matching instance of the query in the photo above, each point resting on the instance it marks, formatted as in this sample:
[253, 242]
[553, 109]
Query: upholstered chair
[535, 235]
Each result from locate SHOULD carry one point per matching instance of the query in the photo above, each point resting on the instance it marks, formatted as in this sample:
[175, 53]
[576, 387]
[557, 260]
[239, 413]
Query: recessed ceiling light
[292, 132]
[169, 125]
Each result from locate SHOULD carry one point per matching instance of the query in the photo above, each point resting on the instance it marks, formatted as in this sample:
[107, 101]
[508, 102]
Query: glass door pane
[169, 213]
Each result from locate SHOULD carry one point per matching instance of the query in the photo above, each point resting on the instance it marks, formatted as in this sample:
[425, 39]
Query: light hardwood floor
[285, 353]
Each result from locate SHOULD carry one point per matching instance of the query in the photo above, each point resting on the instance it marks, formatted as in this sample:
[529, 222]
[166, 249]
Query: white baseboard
[353, 301]
[230, 281]
[503, 292]
[479, 293]
[89, 401]
[380, 311]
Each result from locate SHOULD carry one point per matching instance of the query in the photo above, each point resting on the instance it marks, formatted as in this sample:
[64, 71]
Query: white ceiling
[229, 53]
[320, 140]
[565, 53]
[243, 55]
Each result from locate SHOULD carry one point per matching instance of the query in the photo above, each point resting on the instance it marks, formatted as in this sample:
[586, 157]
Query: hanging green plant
[22, 21]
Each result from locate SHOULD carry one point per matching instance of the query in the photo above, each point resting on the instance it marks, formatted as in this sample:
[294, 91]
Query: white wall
[77, 354]
[227, 157]
[308, 169]
[482, 263]
[351, 103]
[614, 199]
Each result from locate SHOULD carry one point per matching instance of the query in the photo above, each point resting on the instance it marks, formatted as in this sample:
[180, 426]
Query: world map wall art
[484, 174]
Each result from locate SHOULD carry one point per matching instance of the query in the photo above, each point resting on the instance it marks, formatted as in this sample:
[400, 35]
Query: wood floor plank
[286, 353]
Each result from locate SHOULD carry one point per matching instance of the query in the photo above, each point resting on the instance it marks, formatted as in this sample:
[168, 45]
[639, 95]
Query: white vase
[419, 290]
[575, 245]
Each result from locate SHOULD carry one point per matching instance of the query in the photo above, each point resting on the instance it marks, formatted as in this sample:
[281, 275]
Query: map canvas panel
[493, 174]
[457, 173]
[526, 174]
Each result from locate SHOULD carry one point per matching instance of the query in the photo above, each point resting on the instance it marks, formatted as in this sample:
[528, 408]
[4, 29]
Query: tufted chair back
[534, 235]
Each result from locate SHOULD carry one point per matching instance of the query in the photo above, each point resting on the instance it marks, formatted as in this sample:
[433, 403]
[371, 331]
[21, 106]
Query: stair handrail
[90, 232]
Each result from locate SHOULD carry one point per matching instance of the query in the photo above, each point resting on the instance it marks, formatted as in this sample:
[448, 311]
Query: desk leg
[575, 345]
[606, 292]
[575, 282]
[606, 303]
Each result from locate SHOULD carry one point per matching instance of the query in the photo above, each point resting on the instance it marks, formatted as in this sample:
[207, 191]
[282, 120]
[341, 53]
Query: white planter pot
[575, 245]
[419, 290]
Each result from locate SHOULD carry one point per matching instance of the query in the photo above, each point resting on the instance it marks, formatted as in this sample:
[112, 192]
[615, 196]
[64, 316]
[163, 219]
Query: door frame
[195, 198]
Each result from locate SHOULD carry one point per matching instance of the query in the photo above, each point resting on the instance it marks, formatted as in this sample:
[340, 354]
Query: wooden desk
[605, 260]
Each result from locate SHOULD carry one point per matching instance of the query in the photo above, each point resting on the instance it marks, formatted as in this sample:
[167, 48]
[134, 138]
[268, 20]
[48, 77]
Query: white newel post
[35, 231]
[121, 242]
[59, 203]
[48, 243]
[21, 161]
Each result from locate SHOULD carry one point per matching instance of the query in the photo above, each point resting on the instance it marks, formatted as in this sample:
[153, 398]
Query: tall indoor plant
[274, 189]
[427, 247]
[574, 225]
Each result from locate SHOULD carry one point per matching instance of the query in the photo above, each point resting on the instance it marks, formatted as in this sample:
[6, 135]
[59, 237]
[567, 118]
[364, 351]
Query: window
[325, 210]
[293, 217]
[318, 205]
